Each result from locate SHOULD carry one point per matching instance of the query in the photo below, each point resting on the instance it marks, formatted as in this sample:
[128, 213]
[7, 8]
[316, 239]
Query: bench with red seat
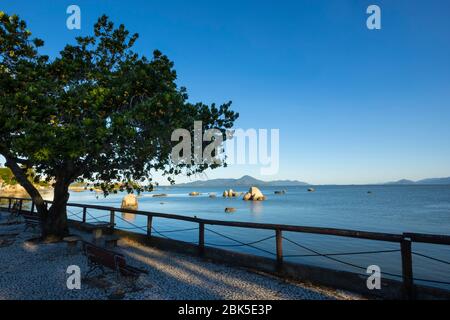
[99, 258]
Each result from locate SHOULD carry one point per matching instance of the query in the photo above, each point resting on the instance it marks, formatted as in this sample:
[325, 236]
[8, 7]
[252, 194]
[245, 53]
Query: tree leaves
[99, 112]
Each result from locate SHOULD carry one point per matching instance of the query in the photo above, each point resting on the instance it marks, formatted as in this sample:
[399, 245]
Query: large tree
[98, 113]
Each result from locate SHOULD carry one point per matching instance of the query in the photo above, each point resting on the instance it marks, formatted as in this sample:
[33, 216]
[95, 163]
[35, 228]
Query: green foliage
[99, 113]
[7, 177]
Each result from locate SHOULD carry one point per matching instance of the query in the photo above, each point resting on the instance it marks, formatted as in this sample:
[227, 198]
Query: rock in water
[162, 195]
[311, 190]
[230, 194]
[247, 197]
[254, 194]
[230, 210]
[212, 195]
[129, 202]
[194, 194]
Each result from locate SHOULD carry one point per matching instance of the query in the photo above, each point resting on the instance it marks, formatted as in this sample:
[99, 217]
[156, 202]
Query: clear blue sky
[352, 105]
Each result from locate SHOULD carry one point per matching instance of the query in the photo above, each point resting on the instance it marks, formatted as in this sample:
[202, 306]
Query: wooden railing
[404, 240]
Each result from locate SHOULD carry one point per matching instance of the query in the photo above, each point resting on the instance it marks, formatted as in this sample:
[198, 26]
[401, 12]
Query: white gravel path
[30, 271]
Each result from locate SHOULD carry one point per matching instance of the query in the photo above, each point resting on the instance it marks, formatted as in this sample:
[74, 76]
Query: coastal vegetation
[7, 177]
[98, 113]
[10, 185]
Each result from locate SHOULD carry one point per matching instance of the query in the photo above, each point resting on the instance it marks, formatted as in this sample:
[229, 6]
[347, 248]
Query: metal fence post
[407, 270]
[84, 214]
[201, 238]
[279, 240]
[112, 218]
[149, 225]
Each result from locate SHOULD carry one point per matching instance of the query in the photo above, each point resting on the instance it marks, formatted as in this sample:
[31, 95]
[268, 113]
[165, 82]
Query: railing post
[149, 225]
[9, 204]
[84, 214]
[20, 205]
[201, 238]
[279, 240]
[407, 270]
[112, 218]
[32, 206]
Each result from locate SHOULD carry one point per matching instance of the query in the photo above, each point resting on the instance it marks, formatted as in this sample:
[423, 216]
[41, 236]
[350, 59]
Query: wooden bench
[99, 258]
[32, 220]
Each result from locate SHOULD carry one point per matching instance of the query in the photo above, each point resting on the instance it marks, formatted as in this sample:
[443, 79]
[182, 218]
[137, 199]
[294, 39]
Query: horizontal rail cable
[97, 218]
[161, 233]
[340, 254]
[74, 214]
[337, 260]
[430, 258]
[241, 244]
[178, 230]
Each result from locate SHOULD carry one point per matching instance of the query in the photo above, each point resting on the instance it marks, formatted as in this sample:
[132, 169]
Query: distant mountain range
[248, 181]
[432, 181]
[245, 181]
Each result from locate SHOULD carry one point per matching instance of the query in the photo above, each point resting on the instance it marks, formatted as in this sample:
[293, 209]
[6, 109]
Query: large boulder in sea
[254, 194]
[129, 202]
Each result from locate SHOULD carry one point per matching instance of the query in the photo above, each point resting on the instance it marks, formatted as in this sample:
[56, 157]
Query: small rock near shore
[231, 194]
[162, 195]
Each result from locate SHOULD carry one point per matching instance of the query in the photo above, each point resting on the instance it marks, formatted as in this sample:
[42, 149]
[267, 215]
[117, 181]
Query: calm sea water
[394, 209]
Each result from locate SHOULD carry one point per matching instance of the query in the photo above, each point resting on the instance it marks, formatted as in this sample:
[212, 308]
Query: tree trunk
[54, 220]
[54, 224]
